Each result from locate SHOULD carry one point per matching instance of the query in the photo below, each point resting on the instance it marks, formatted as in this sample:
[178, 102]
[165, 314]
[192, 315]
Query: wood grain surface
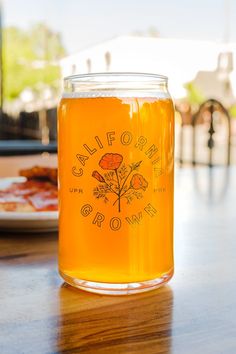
[194, 314]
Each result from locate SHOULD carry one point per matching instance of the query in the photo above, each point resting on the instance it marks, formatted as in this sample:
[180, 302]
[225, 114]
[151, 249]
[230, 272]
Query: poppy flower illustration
[97, 175]
[138, 182]
[118, 180]
[111, 161]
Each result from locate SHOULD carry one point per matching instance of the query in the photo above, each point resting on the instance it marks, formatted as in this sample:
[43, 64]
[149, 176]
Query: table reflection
[101, 324]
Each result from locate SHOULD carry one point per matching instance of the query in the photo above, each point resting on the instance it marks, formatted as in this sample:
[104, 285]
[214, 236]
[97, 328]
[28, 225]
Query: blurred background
[193, 43]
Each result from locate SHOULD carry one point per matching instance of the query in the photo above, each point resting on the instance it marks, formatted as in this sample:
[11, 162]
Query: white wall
[178, 59]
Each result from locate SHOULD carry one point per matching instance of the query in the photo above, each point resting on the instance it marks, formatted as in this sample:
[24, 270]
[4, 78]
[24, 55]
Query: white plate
[40, 221]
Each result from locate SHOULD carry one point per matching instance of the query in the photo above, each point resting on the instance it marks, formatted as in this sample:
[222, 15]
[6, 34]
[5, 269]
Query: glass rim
[125, 76]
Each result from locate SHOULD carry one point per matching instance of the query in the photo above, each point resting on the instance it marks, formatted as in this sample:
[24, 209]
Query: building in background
[202, 63]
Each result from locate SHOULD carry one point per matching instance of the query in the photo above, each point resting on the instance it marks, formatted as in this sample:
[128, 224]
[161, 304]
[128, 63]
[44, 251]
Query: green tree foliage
[193, 94]
[30, 59]
[232, 111]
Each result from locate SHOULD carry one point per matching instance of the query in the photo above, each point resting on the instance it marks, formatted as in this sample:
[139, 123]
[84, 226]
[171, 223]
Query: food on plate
[42, 173]
[38, 193]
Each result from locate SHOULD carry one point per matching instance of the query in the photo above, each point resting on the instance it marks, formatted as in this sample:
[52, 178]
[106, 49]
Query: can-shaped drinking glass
[116, 163]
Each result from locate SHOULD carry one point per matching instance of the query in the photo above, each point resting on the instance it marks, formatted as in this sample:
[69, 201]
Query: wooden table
[194, 314]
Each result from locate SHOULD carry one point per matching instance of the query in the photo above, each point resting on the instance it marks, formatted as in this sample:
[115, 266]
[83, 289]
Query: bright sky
[86, 22]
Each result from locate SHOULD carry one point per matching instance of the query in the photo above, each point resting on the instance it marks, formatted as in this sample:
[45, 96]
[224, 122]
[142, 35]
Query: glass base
[118, 288]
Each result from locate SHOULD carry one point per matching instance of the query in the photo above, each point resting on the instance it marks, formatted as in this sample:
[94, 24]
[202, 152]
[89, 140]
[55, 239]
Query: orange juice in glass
[116, 162]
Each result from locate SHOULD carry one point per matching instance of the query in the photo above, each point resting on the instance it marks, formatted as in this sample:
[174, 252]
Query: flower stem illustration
[121, 180]
[119, 190]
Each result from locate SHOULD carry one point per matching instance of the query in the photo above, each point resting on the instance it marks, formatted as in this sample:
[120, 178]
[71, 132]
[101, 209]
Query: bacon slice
[32, 195]
[44, 201]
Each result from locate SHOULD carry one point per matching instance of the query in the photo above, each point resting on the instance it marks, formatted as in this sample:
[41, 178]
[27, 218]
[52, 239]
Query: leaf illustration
[135, 166]
[132, 195]
[100, 191]
[109, 176]
[122, 172]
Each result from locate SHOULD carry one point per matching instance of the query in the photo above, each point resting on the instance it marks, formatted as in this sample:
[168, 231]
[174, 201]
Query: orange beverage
[116, 185]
